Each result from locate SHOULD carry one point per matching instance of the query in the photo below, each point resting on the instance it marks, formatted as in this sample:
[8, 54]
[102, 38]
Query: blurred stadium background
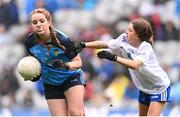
[109, 91]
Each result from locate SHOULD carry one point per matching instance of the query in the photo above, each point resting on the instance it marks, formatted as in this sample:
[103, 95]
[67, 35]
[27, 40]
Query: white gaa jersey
[150, 77]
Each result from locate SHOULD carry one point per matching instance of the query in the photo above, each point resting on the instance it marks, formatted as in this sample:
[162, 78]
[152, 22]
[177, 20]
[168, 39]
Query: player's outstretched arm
[133, 64]
[73, 48]
[97, 44]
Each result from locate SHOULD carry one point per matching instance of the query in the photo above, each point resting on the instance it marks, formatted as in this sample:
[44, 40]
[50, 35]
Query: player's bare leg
[75, 96]
[143, 109]
[155, 108]
[57, 107]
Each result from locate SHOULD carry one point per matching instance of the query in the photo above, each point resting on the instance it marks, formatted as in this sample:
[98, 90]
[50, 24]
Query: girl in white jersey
[133, 49]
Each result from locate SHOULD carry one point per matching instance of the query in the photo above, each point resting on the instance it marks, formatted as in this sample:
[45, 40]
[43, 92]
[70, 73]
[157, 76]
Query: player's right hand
[73, 49]
[60, 64]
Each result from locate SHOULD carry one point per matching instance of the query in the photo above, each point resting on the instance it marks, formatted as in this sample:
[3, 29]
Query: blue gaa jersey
[50, 74]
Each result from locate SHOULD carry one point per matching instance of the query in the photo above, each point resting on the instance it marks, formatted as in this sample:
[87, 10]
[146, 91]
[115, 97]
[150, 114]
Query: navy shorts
[145, 98]
[57, 91]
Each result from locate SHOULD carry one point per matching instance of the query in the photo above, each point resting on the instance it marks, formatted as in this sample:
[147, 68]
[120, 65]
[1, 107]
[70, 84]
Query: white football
[29, 67]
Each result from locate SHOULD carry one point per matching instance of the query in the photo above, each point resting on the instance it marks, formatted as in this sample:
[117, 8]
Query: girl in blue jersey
[60, 69]
[133, 49]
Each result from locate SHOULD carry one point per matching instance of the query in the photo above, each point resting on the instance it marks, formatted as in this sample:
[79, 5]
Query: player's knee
[76, 112]
[154, 113]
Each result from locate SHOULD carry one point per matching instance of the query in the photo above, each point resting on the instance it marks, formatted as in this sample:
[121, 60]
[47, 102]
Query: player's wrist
[115, 58]
[36, 78]
[67, 65]
[83, 45]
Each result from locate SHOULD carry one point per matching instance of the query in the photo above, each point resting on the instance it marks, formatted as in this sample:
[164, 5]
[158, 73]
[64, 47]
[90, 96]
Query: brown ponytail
[54, 38]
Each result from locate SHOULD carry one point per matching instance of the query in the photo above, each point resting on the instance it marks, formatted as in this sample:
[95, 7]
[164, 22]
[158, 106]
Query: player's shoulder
[122, 37]
[62, 37]
[31, 37]
[30, 40]
[145, 46]
[61, 34]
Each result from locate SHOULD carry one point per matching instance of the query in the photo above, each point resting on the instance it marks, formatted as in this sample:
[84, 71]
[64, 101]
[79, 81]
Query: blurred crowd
[88, 20]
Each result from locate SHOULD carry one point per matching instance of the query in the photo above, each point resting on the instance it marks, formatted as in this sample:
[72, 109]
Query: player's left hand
[107, 55]
[60, 64]
[36, 78]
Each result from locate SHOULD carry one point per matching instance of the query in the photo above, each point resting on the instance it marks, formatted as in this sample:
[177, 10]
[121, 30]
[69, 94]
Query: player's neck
[136, 45]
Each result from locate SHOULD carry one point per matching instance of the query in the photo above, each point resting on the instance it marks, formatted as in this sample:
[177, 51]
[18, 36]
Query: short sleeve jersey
[150, 77]
[50, 74]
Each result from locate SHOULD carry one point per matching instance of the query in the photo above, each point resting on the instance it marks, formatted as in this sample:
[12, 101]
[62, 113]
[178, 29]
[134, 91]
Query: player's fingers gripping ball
[29, 68]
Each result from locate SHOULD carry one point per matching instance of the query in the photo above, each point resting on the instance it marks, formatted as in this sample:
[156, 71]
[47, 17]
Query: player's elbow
[132, 67]
[80, 64]
[79, 61]
[75, 65]
[135, 66]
